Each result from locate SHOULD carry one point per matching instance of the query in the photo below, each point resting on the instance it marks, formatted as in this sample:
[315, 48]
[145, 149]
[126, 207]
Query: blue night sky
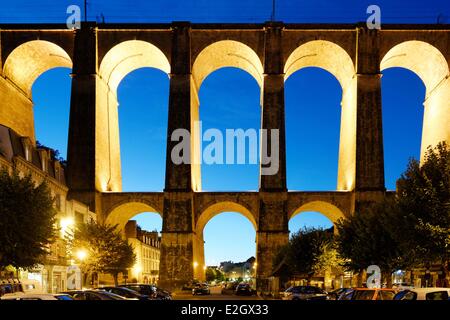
[229, 98]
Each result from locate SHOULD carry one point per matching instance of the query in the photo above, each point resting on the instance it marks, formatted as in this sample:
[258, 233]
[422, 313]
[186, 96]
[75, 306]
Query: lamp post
[81, 255]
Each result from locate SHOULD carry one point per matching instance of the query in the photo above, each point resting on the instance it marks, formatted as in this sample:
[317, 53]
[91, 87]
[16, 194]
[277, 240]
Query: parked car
[93, 295]
[229, 288]
[150, 290]
[369, 294]
[336, 294]
[35, 296]
[190, 285]
[24, 286]
[304, 293]
[201, 289]
[402, 286]
[244, 289]
[423, 294]
[126, 293]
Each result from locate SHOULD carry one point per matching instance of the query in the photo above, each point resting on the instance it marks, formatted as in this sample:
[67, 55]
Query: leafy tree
[367, 238]
[27, 221]
[310, 251]
[210, 274]
[423, 195]
[412, 229]
[106, 251]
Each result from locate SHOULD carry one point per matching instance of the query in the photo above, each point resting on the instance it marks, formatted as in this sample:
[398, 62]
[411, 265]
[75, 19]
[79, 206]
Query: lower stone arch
[332, 212]
[205, 216]
[225, 206]
[121, 213]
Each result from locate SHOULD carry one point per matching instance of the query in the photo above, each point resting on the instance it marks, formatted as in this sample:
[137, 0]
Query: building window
[58, 202]
[27, 153]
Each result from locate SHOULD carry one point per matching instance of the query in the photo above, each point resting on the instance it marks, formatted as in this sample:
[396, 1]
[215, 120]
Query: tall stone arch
[22, 66]
[430, 65]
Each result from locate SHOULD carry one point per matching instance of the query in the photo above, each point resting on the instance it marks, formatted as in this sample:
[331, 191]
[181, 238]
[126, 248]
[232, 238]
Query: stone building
[58, 272]
[146, 246]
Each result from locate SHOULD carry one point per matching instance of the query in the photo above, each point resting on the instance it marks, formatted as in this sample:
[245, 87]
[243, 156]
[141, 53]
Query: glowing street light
[81, 254]
[66, 224]
[137, 269]
[195, 264]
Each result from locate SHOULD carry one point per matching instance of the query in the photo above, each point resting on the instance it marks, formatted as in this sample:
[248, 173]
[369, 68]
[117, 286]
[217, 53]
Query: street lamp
[81, 254]
[66, 224]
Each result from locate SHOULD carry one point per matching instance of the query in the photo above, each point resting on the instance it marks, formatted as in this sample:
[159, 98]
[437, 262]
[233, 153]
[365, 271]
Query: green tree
[106, 251]
[27, 221]
[423, 196]
[367, 238]
[309, 251]
[210, 274]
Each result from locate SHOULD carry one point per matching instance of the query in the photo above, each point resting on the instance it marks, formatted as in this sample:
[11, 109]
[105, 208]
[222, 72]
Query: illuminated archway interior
[334, 59]
[431, 66]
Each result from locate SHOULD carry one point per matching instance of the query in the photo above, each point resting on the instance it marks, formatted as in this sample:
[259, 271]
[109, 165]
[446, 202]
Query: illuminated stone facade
[146, 246]
[18, 152]
[101, 55]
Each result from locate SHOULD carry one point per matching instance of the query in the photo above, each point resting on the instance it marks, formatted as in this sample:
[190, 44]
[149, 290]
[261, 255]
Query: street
[215, 295]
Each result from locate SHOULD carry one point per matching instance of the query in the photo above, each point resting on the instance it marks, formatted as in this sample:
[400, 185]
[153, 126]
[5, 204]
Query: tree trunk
[387, 278]
[116, 280]
[308, 280]
[359, 279]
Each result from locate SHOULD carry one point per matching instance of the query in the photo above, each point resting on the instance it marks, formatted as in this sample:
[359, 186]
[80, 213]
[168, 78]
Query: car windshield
[438, 295]
[64, 297]
[405, 295]
[385, 295]
[363, 294]
[124, 292]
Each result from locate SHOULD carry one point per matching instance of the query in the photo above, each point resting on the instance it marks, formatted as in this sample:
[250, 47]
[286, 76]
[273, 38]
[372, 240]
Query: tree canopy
[412, 228]
[309, 251]
[106, 251]
[424, 200]
[27, 221]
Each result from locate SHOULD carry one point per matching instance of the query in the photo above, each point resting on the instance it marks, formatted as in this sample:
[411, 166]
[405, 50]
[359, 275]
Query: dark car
[305, 293]
[93, 295]
[126, 293]
[201, 289]
[149, 290]
[229, 288]
[244, 289]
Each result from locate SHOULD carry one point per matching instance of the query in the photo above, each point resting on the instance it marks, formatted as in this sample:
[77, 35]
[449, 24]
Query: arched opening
[145, 104]
[230, 106]
[315, 214]
[312, 230]
[141, 225]
[23, 66]
[51, 111]
[428, 63]
[334, 59]
[227, 102]
[312, 129]
[226, 232]
[403, 93]
[143, 111]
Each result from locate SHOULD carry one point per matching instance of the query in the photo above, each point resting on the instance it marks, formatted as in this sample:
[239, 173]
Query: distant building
[58, 272]
[147, 247]
[236, 270]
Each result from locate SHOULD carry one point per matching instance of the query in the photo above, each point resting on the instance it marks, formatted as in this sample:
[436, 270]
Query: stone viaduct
[100, 55]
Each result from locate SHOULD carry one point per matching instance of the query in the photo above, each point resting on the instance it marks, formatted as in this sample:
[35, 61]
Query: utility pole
[272, 17]
[85, 10]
